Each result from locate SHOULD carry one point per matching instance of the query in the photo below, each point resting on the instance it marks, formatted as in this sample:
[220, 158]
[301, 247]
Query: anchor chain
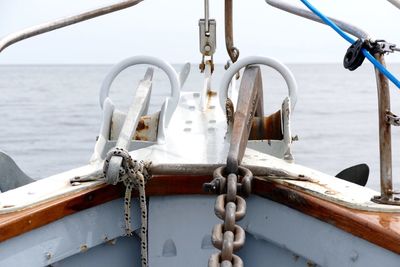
[134, 174]
[229, 207]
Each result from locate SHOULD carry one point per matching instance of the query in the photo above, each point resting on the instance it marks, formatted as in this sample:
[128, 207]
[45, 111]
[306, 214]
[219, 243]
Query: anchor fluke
[357, 174]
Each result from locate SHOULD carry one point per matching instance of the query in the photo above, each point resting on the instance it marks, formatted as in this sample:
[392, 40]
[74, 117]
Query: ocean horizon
[51, 115]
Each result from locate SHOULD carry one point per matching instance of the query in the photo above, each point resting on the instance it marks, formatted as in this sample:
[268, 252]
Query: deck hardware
[354, 56]
[134, 174]
[207, 38]
[120, 167]
[233, 179]
[229, 207]
[392, 119]
[385, 138]
[118, 164]
[233, 52]
[385, 47]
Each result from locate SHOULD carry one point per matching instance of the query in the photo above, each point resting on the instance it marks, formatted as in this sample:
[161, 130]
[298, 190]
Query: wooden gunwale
[382, 229]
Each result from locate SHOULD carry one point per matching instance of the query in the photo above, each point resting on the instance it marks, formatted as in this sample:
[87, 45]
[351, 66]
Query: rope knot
[134, 174]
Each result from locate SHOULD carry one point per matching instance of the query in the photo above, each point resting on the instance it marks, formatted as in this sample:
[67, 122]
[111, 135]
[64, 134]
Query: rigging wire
[348, 38]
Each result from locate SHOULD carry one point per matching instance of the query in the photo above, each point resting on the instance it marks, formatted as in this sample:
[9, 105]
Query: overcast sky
[169, 29]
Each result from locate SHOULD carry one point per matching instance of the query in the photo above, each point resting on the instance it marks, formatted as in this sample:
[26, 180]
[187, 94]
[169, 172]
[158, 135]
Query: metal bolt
[84, 248]
[47, 255]
[207, 48]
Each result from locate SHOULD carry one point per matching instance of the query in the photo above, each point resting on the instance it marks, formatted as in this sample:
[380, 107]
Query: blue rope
[347, 37]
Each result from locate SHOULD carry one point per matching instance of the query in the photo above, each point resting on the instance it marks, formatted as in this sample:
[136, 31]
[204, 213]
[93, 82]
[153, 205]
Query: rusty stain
[147, 128]
[142, 125]
[267, 128]
[210, 95]
[311, 264]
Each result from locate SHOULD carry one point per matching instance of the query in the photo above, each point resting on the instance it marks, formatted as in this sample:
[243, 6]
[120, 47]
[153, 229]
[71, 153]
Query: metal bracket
[385, 47]
[208, 39]
[392, 200]
[392, 119]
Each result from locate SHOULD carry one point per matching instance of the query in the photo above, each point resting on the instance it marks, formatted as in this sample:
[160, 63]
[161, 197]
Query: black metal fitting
[354, 56]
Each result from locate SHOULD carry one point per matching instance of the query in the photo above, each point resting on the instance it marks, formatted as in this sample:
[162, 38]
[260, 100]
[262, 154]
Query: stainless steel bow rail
[386, 117]
[63, 22]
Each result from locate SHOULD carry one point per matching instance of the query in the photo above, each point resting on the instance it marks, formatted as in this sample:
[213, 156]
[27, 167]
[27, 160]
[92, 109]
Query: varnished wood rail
[380, 228]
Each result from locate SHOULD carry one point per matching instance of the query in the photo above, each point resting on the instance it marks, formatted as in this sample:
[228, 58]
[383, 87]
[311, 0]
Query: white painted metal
[206, 86]
[184, 73]
[253, 60]
[287, 132]
[170, 102]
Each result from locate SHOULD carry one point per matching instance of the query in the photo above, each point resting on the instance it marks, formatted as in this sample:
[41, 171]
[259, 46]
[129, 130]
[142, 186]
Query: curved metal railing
[396, 3]
[63, 22]
[385, 143]
[347, 27]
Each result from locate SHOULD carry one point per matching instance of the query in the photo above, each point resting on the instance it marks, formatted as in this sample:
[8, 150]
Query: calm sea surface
[50, 115]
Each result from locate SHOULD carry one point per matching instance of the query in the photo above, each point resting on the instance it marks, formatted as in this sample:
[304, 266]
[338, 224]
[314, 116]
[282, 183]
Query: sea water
[50, 114]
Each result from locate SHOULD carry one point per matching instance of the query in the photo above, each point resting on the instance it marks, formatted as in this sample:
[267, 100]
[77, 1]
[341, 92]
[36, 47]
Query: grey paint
[179, 235]
[313, 239]
[124, 252]
[11, 176]
[184, 221]
[264, 253]
[71, 235]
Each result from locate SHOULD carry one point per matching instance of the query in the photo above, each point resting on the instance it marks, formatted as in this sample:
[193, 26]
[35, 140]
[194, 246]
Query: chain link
[229, 207]
[134, 174]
